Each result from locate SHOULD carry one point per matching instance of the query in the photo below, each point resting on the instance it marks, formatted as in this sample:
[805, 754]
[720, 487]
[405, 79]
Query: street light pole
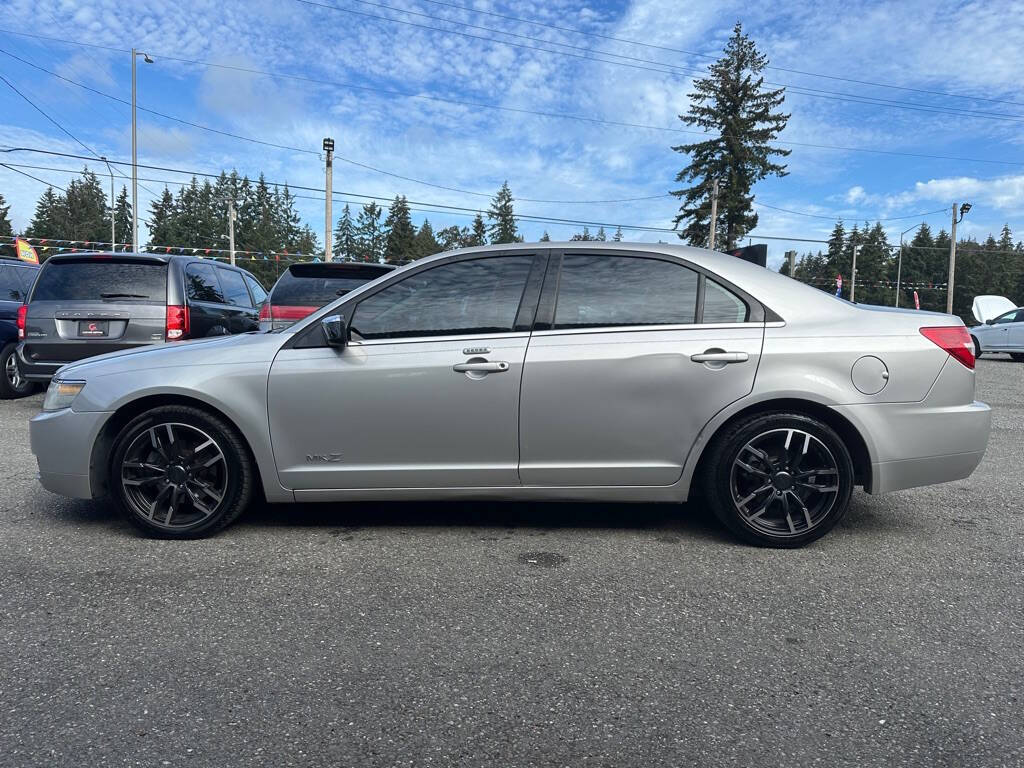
[899, 263]
[231, 229]
[714, 214]
[952, 255]
[329, 149]
[113, 240]
[853, 275]
[135, 156]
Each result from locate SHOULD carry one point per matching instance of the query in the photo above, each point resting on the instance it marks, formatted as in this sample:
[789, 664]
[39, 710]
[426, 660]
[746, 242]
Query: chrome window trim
[651, 328]
[425, 339]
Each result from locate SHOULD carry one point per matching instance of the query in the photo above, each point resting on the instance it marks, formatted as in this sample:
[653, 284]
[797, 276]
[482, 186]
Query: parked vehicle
[304, 288]
[1001, 329]
[15, 282]
[88, 304]
[583, 371]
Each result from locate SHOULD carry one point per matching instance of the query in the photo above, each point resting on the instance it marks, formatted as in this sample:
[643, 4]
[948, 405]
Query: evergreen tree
[400, 233]
[425, 244]
[585, 235]
[5, 221]
[161, 220]
[306, 243]
[87, 212]
[600, 236]
[345, 237]
[545, 238]
[369, 237]
[452, 237]
[732, 103]
[617, 237]
[502, 217]
[123, 218]
[477, 233]
[51, 217]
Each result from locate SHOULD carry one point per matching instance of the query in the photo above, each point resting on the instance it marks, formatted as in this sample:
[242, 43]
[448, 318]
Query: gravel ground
[526, 634]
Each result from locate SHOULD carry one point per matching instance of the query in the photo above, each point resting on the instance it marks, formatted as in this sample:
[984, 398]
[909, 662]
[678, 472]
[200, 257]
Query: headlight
[61, 394]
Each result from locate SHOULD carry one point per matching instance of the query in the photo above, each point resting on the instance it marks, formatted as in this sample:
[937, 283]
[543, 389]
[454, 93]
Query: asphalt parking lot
[501, 635]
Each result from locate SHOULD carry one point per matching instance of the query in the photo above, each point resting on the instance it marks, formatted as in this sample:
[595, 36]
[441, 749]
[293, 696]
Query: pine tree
[600, 236]
[345, 236]
[5, 221]
[51, 217]
[161, 220]
[123, 218]
[732, 103]
[369, 238]
[501, 214]
[452, 237]
[617, 237]
[87, 212]
[306, 243]
[545, 238]
[585, 235]
[477, 233]
[425, 244]
[400, 233]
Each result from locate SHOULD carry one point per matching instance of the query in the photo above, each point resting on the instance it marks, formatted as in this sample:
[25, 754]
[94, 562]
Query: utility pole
[231, 229]
[329, 149]
[899, 262]
[113, 240]
[964, 208]
[853, 273]
[135, 157]
[714, 213]
[791, 256]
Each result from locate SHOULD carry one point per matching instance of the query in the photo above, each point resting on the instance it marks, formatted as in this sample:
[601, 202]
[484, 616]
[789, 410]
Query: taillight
[955, 340]
[265, 315]
[288, 312]
[177, 322]
[22, 314]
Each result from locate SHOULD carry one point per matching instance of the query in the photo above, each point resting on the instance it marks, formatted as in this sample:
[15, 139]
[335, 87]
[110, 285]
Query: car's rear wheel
[12, 383]
[180, 472]
[977, 346]
[779, 480]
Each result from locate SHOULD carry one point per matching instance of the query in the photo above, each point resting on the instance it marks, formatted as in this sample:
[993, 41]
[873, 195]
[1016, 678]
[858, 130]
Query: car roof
[150, 258]
[328, 267]
[13, 262]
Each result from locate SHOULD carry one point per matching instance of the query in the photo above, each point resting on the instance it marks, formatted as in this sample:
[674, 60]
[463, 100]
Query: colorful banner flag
[25, 251]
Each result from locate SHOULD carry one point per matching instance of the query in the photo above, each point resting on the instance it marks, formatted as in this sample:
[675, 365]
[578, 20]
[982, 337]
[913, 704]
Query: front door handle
[720, 357]
[499, 366]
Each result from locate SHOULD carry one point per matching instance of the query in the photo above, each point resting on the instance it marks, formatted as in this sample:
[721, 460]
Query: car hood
[989, 307]
[224, 350]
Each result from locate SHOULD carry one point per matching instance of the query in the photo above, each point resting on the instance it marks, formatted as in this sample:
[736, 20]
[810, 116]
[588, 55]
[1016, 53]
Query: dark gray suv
[87, 304]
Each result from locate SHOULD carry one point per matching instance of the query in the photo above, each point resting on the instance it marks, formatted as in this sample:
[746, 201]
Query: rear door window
[26, 276]
[102, 280]
[259, 294]
[202, 285]
[600, 291]
[233, 285]
[10, 286]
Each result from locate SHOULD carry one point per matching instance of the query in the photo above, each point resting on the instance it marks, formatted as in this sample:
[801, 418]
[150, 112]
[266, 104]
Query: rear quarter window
[106, 280]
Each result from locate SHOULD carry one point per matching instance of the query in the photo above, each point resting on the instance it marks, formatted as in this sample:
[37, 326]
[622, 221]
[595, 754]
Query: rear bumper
[44, 370]
[914, 444]
[62, 442]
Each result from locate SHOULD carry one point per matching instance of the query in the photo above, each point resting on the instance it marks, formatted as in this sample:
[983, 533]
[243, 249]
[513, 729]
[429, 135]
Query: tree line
[994, 266]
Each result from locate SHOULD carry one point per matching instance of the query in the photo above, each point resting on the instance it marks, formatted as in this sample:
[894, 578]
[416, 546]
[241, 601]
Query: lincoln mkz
[576, 372]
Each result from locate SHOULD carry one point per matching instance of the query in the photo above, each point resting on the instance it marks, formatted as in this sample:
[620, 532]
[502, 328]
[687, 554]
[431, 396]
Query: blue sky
[971, 49]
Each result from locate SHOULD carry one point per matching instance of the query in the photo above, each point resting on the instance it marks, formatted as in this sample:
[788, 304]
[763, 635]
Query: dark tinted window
[479, 296]
[257, 290]
[722, 305]
[624, 290]
[102, 280]
[234, 287]
[313, 285]
[1013, 316]
[10, 286]
[201, 283]
[26, 276]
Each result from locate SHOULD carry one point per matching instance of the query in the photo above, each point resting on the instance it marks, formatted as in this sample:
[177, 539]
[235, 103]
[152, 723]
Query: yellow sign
[25, 251]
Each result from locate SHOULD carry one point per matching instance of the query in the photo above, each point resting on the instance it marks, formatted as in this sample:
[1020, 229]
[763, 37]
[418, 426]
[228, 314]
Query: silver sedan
[610, 371]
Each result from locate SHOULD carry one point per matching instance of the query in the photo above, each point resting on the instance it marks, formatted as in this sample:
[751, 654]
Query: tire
[205, 472]
[1017, 357]
[977, 347]
[12, 384]
[777, 481]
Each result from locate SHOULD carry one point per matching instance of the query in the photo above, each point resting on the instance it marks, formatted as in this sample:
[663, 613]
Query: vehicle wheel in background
[1017, 357]
[779, 479]
[977, 346]
[180, 472]
[12, 383]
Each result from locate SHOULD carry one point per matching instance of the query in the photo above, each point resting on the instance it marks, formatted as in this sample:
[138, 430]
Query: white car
[1001, 329]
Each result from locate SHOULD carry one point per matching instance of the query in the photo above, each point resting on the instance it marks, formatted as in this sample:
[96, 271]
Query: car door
[632, 354]
[11, 294]
[1015, 332]
[997, 335]
[208, 313]
[241, 315]
[425, 395]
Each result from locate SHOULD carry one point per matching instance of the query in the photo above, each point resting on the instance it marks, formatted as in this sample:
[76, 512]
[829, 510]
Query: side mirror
[335, 331]
[990, 322]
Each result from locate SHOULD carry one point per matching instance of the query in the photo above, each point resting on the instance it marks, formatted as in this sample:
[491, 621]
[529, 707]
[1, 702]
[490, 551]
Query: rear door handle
[720, 357]
[499, 366]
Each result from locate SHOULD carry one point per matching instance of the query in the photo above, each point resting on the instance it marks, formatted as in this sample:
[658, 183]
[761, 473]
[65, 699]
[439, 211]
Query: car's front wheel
[779, 479]
[12, 383]
[180, 472]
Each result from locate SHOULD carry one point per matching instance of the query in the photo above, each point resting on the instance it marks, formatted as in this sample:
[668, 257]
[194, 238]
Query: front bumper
[914, 444]
[62, 442]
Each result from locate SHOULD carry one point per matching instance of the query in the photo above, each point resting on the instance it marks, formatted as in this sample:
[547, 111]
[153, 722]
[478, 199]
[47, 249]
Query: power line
[577, 31]
[36, 178]
[835, 217]
[661, 67]
[484, 105]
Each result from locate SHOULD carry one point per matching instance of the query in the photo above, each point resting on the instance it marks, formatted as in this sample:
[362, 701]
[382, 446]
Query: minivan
[15, 282]
[86, 304]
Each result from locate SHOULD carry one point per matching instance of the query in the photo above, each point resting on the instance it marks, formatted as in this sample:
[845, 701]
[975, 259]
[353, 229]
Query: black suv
[86, 304]
[304, 288]
[15, 282]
